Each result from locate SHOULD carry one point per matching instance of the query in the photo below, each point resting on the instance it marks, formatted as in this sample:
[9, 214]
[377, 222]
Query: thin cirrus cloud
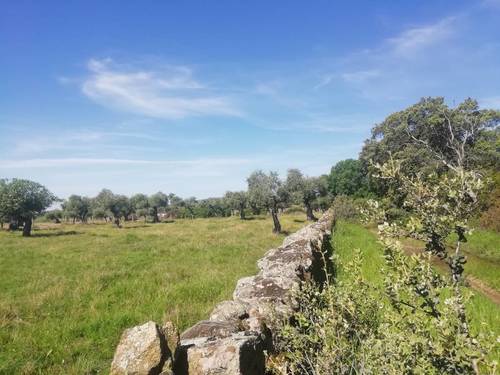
[72, 162]
[413, 40]
[392, 55]
[171, 93]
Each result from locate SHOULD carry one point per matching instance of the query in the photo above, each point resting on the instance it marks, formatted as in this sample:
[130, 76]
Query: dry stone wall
[238, 333]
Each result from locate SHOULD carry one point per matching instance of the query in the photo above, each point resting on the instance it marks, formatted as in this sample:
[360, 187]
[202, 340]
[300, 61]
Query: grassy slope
[483, 256]
[350, 236]
[66, 294]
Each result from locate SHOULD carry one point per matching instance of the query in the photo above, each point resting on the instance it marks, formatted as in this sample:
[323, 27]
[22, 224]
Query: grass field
[67, 293]
[348, 236]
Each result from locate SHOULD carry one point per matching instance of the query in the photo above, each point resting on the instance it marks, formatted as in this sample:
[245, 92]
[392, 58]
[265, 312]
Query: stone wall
[234, 339]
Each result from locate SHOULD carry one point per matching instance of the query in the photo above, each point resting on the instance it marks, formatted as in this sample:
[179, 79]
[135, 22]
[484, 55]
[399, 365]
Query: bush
[350, 327]
[490, 219]
[345, 208]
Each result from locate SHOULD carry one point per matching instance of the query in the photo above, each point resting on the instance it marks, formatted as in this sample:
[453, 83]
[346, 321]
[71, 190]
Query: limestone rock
[142, 350]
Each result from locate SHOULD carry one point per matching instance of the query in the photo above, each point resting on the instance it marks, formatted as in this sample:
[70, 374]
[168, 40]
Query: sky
[190, 97]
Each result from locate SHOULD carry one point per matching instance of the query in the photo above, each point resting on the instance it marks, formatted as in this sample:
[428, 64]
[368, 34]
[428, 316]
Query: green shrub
[345, 208]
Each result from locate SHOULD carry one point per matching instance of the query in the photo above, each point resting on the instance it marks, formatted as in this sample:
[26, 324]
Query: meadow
[68, 292]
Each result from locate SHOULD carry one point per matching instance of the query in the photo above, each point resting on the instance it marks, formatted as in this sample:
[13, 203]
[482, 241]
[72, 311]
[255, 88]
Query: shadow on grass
[254, 218]
[57, 234]
[299, 220]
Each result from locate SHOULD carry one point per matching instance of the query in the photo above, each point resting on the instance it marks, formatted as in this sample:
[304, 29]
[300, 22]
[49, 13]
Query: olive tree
[117, 205]
[237, 200]
[157, 201]
[22, 200]
[268, 191]
[140, 205]
[54, 215]
[77, 207]
[305, 190]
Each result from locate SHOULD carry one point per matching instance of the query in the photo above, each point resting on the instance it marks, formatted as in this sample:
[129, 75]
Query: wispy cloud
[171, 93]
[74, 162]
[398, 66]
[414, 40]
[360, 76]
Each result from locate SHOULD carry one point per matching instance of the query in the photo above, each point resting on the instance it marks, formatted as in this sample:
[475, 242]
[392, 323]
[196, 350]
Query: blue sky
[191, 97]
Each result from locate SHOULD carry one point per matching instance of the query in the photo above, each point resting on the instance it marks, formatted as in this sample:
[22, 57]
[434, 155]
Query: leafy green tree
[77, 207]
[267, 191]
[348, 177]
[156, 202]
[427, 133]
[22, 200]
[189, 205]
[117, 205]
[140, 205]
[237, 200]
[3, 189]
[304, 190]
[54, 215]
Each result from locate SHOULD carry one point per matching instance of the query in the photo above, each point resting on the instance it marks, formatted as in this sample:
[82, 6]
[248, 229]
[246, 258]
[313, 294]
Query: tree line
[21, 201]
[421, 136]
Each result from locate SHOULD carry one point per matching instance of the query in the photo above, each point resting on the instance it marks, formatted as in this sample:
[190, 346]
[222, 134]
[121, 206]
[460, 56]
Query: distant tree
[157, 201]
[237, 200]
[3, 215]
[304, 190]
[267, 191]
[116, 205]
[189, 206]
[348, 177]
[325, 198]
[77, 207]
[140, 205]
[175, 206]
[22, 200]
[54, 215]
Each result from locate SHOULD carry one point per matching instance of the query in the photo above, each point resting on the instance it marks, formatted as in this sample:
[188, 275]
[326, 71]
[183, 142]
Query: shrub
[345, 208]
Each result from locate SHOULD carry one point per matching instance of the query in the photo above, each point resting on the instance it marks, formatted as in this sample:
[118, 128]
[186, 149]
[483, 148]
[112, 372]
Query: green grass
[483, 256]
[485, 315]
[67, 293]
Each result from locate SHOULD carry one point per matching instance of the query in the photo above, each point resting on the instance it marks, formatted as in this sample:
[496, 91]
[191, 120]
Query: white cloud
[414, 40]
[171, 93]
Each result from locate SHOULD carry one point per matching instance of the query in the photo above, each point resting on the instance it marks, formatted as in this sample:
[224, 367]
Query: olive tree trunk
[309, 213]
[276, 221]
[242, 212]
[155, 215]
[27, 227]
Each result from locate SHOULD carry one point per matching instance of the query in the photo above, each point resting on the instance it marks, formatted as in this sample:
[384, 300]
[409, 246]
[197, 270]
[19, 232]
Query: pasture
[68, 292]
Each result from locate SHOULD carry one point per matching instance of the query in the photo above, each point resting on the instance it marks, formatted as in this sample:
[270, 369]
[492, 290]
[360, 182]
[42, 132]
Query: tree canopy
[22, 200]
